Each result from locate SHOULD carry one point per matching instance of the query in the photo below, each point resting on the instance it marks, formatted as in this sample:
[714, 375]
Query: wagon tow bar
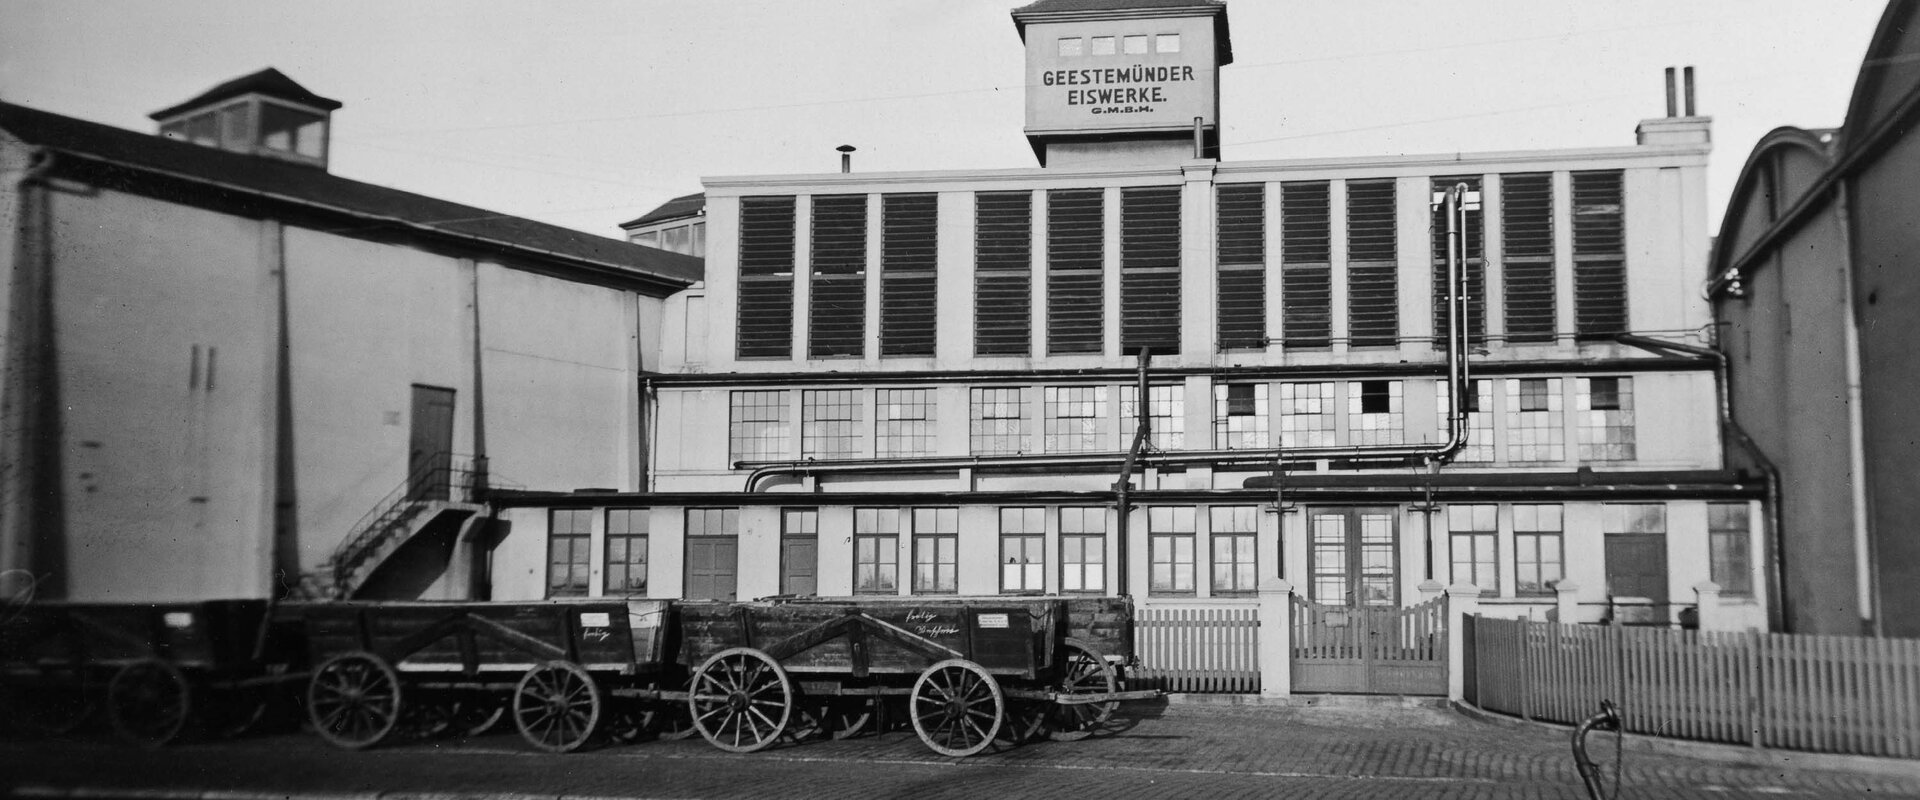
[1607, 719]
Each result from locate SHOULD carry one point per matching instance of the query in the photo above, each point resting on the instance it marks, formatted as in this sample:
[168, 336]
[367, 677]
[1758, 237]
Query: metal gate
[1370, 649]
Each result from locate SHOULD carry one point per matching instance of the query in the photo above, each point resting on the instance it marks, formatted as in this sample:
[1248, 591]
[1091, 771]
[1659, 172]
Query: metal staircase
[441, 486]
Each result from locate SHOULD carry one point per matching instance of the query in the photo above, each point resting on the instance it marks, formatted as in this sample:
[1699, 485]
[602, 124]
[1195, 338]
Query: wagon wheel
[354, 700]
[1026, 721]
[846, 719]
[148, 702]
[477, 714]
[741, 700]
[557, 706]
[957, 708]
[239, 713]
[456, 713]
[1085, 672]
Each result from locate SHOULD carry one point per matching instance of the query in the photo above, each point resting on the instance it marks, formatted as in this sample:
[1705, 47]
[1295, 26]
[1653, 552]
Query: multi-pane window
[1150, 269]
[1023, 550]
[799, 551]
[1373, 290]
[903, 422]
[1170, 536]
[765, 321]
[1307, 415]
[1479, 409]
[1076, 419]
[837, 313]
[908, 257]
[936, 550]
[876, 551]
[830, 423]
[757, 428]
[1729, 548]
[1083, 549]
[1474, 267]
[1233, 562]
[1240, 416]
[1003, 274]
[1535, 420]
[1599, 255]
[1242, 242]
[1376, 412]
[1166, 416]
[1474, 534]
[569, 531]
[1605, 409]
[1076, 277]
[1306, 264]
[999, 422]
[1526, 242]
[713, 553]
[1537, 551]
[626, 571]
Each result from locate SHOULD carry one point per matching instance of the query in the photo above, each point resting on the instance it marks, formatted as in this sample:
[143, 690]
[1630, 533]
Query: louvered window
[766, 278]
[1150, 269]
[1475, 266]
[836, 319]
[1526, 239]
[908, 256]
[1306, 279]
[1243, 266]
[1373, 292]
[1075, 283]
[1003, 274]
[1599, 255]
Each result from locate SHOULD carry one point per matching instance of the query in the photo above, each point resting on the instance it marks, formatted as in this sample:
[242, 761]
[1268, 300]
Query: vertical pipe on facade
[1863, 549]
[1687, 79]
[1673, 99]
[1122, 502]
[30, 470]
[1199, 137]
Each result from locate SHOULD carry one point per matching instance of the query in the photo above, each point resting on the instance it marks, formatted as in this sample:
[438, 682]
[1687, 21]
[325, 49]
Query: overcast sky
[589, 113]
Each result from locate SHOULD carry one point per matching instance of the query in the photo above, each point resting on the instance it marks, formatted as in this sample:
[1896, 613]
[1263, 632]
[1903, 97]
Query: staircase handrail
[403, 497]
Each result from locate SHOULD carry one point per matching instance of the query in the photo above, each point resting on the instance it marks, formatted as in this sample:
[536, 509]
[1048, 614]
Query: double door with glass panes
[1353, 556]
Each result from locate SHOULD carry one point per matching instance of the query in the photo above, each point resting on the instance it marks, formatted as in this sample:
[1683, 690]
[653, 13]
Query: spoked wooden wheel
[1085, 672]
[354, 700]
[148, 702]
[557, 706]
[850, 717]
[741, 700]
[957, 708]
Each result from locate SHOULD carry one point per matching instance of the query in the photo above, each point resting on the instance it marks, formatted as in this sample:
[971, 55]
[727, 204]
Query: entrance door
[711, 567]
[1353, 556]
[1637, 576]
[430, 448]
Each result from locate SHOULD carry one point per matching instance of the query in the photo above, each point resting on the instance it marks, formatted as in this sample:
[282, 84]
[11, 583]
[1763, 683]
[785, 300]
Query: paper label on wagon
[179, 619]
[993, 620]
[595, 619]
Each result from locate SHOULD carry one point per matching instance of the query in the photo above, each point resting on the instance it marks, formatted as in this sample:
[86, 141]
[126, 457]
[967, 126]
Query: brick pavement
[1155, 751]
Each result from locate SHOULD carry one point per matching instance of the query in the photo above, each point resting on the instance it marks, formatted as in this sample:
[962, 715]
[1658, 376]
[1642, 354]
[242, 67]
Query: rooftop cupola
[1115, 83]
[265, 113]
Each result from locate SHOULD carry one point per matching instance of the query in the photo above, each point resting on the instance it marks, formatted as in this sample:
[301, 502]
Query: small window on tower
[1135, 45]
[1166, 43]
[1103, 46]
[1070, 47]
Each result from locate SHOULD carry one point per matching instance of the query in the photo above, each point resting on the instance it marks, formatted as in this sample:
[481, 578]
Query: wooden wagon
[555, 668]
[159, 669]
[973, 671]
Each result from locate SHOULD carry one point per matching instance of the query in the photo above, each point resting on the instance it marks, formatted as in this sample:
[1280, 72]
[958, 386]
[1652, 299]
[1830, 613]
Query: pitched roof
[1048, 6]
[137, 160]
[686, 205]
[270, 82]
[1065, 10]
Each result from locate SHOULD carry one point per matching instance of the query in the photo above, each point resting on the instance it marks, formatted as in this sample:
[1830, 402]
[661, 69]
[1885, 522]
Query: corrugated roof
[686, 205]
[270, 82]
[140, 159]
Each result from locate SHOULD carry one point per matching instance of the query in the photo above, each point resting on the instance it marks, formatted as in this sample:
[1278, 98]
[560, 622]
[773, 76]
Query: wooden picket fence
[1197, 648]
[1835, 694]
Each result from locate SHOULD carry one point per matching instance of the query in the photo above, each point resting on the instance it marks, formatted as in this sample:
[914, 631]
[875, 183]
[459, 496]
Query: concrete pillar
[1463, 600]
[1564, 607]
[1430, 589]
[1276, 637]
[1707, 594]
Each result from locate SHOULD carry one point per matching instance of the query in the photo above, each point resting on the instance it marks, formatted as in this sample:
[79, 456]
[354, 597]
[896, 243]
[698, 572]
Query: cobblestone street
[1156, 751]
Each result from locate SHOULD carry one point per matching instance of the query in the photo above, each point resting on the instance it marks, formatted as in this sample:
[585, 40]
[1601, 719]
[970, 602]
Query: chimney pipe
[1688, 79]
[1199, 137]
[1673, 104]
[846, 158]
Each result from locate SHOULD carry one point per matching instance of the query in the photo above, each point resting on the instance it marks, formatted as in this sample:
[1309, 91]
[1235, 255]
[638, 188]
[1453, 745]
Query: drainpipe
[1864, 554]
[1122, 504]
[31, 558]
[1774, 573]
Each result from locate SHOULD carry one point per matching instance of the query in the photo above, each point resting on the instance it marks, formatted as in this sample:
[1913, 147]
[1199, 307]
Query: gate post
[1462, 600]
[1707, 606]
[1275, 637]
[1565, 605]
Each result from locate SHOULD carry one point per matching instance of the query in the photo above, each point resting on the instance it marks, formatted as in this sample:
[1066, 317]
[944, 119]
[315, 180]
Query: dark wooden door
[1637, 566]
[430, 447]
[712, 567]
